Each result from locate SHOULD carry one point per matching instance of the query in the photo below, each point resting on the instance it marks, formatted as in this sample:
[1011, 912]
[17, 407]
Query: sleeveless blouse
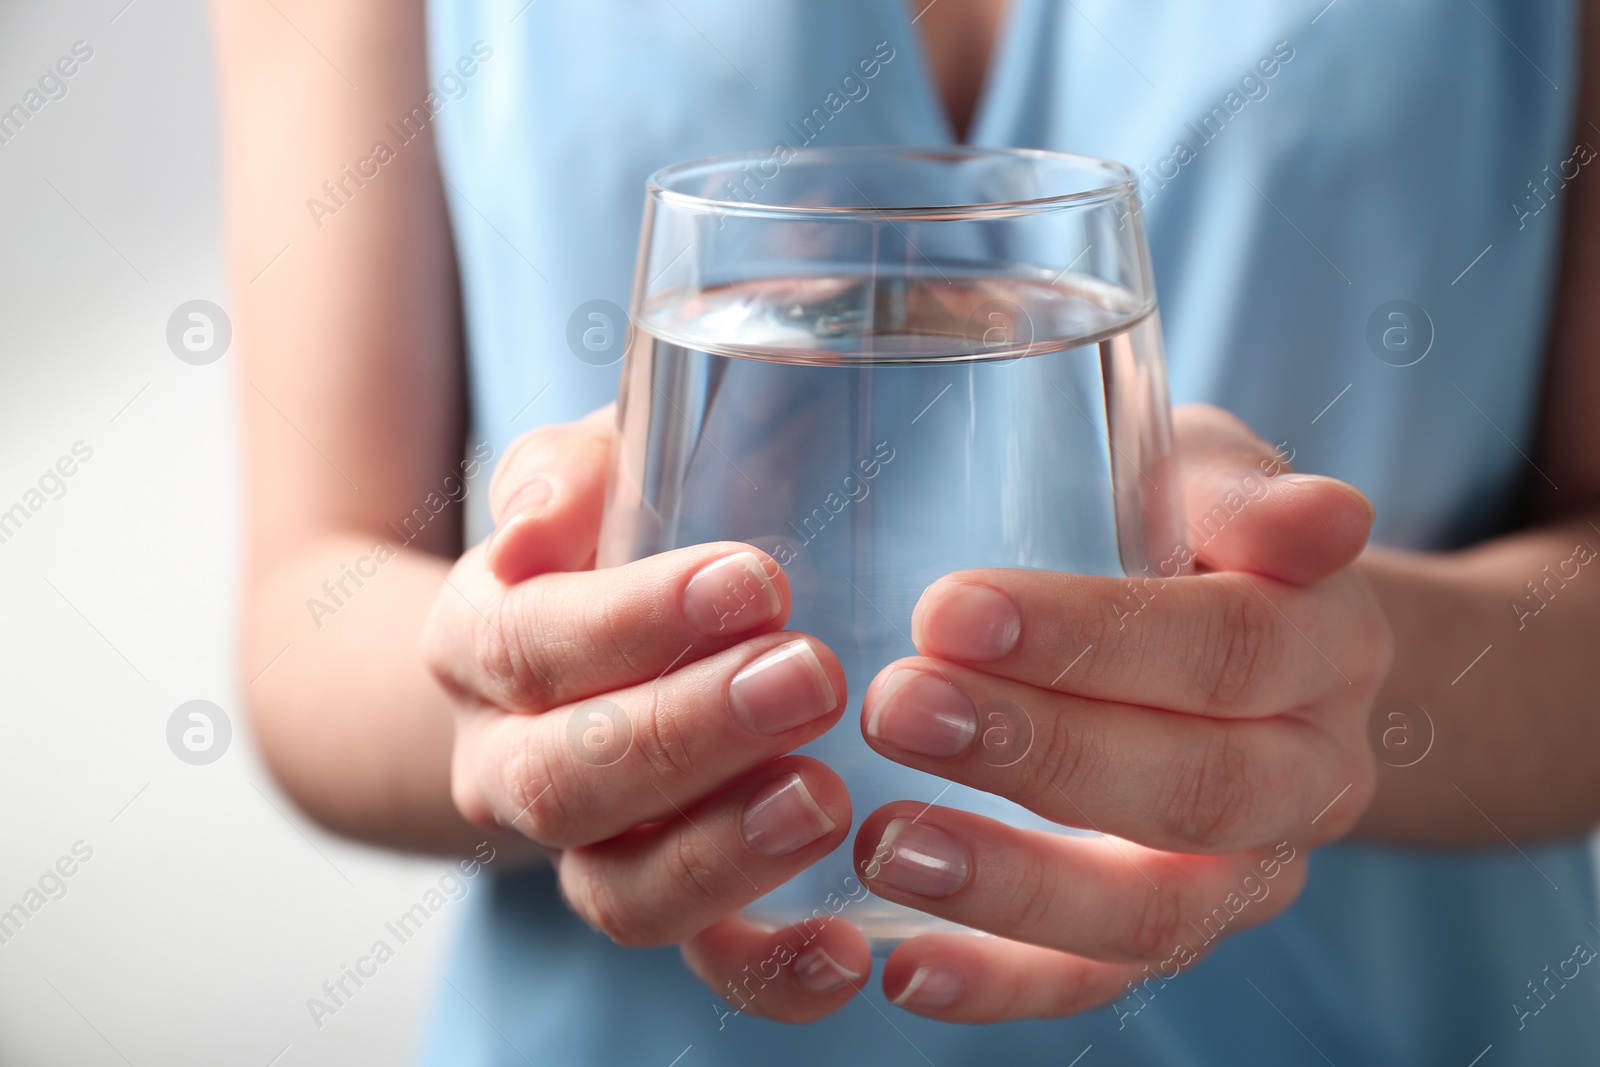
[1355, 212]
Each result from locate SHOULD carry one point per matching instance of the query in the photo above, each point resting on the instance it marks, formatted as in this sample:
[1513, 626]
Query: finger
[587, 772]
[964, 979]
[1224, 644]
[1168, 781]
[659, 884]
[562, 637]
[1247, 513]
[547, 495]
[797, 975]
[1106, 899]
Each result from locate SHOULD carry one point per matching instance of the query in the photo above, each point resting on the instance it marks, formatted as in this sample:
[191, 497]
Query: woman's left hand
[1213, 725]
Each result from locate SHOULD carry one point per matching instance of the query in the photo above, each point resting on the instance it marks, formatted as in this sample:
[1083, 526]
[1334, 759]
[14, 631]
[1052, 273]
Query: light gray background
[210, 911]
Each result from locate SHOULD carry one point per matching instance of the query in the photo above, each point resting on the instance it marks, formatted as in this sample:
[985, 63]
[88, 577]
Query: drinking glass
[880, 365]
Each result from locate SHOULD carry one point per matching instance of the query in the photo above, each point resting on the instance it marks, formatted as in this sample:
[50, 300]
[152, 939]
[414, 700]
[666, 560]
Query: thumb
[547, 495]
[1248, 512]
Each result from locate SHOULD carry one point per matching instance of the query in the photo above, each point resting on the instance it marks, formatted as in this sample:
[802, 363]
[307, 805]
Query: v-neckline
[1004, 43]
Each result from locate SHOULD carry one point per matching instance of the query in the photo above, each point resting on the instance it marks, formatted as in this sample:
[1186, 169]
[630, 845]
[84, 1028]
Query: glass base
[883, 923]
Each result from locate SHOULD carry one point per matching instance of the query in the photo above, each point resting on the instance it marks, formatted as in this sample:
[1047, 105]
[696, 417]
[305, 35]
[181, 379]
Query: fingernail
[783, 818]
[919, 859]
[970, 622]
[730, 596]
[922, 714]
[930, 988]
[781, 690]
[817, 972]
[530, 498]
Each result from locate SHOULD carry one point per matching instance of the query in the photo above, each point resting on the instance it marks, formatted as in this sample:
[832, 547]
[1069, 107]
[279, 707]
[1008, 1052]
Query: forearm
[352, 724]
[352, 407]
[1506, 673]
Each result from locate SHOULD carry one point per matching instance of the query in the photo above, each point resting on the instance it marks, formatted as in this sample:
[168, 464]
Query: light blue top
[1401, 150]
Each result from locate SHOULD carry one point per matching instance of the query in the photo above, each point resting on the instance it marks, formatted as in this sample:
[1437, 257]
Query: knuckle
[599, 901]
[492, 650]
[663, 742]
[436, 644]
[470, 803]
[1292, 883]
[502, 655]
[1209, 792]
[697, 879]
[541, 811]
[1239, 641]
[1157, 923]
[1366, 782]
[1342, 817]
[608, 641]
[1084, 991]
[1031, 899]
[1064, 760]
[1103, 631]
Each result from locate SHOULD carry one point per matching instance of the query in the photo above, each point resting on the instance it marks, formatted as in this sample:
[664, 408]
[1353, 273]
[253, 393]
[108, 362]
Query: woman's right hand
[635, 722]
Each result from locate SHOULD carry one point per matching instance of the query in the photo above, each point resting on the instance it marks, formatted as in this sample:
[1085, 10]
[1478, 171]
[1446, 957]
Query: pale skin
[1219, 724]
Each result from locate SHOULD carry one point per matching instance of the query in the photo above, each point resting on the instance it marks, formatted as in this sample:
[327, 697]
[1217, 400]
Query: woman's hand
[1213, 724]
[634, 721]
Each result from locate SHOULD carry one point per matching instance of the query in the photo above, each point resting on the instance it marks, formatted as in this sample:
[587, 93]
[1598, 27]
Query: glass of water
[881, 365]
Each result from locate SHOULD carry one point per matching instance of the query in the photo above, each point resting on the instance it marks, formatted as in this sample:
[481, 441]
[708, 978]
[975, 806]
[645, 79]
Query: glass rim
[1123, 184]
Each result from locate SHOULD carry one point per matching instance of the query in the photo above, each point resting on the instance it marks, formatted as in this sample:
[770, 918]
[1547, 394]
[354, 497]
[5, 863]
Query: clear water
[874, 434]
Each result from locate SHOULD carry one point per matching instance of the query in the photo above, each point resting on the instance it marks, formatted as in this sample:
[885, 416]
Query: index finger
[561, 637]
[1224, 644]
